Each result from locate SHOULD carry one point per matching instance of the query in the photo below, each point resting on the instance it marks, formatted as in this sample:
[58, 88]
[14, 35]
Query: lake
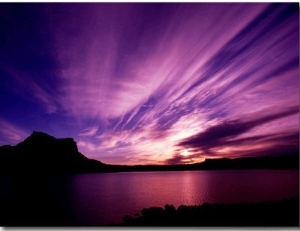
[99, 199]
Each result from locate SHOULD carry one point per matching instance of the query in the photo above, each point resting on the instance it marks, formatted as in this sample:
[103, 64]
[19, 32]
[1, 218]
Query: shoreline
[281, 213]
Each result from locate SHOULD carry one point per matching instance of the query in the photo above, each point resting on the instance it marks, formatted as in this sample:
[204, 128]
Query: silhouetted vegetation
[272, 213]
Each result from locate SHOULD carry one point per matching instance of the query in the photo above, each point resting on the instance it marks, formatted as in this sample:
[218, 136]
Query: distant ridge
[42, 153]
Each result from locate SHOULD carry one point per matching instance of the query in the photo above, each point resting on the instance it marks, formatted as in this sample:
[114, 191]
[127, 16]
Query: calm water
[98, 199]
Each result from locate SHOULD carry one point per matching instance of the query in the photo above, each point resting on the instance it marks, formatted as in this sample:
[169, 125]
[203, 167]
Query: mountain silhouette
[43, 153]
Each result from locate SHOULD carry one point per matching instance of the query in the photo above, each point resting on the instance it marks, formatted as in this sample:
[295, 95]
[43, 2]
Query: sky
[152, 83]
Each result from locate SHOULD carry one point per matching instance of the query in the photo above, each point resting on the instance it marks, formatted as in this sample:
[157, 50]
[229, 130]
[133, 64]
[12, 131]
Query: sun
[184, 152]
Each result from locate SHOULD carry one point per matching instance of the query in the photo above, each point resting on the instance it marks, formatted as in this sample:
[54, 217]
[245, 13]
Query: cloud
[265, 145]
[191, 158]
[48, 100]
[156, 82]
[221, 134]
[87, 146]
[29, 88]
[92, 131]
[111, 76]
[10, 133]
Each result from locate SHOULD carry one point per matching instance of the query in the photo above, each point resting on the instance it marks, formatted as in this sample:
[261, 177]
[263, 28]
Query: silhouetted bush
[273, 213]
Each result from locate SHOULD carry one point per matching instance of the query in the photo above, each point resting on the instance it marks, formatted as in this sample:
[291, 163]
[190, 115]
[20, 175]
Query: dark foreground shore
[284, 213]
[30, 205]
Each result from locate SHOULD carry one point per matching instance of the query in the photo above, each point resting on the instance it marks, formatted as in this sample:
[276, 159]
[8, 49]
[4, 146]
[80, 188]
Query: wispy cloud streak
[10, 133]
[144, 82]
[216, 135]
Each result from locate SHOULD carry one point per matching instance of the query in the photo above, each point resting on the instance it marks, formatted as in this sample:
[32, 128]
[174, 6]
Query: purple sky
[152, 83]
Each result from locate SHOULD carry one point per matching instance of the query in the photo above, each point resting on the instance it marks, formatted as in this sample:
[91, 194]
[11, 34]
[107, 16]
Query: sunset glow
[153, 83]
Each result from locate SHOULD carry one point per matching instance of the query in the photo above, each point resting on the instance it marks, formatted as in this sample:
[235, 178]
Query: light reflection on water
[97, 199]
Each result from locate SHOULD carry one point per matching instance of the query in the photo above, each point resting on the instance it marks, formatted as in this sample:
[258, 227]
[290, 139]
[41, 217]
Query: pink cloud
[91, 131]
[26, 85]
[148, 79]
[10, 133]
[92, 85]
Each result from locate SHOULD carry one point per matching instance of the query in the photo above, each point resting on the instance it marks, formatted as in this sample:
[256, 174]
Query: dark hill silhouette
[31, 165]
[42, 153]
